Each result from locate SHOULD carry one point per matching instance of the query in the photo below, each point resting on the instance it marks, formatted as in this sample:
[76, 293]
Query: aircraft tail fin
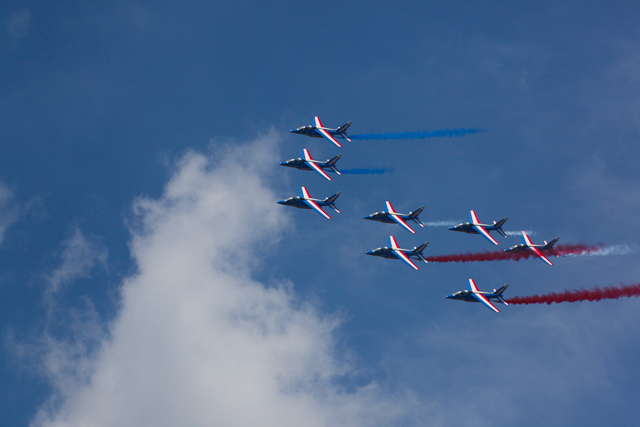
[498, 226]
[549, 246]
[332, 162]
[344, 127]
[417, 212]
[498, 294]
[332, 200]
[342, 130]
[419, 249]
[414, 216]
[500, 291]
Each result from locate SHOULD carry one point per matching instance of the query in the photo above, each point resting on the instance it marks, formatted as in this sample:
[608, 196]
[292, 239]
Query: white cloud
[198, 341]
[18, 23]
[9, 212]
[78, 258]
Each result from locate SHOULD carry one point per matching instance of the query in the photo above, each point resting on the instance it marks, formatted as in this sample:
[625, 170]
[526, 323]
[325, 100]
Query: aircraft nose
[449, 296]
[281, 202]
[367, 217]
[369, 252]
[293, 130]
[283, 163]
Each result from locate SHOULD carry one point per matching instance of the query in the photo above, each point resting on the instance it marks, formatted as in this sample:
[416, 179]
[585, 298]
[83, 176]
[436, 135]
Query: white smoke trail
[441, 223]
[519, 233]
[607, 250]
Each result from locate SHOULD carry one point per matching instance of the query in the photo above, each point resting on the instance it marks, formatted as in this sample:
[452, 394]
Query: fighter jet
[475, 295]
[391, 216]
[475, 227]
[395, 252]
[527, 245]
[319, 131]
[306, 163]
[305, 201]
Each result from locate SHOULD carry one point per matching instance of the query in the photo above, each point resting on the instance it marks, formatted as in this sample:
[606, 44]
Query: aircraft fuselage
[381, 217]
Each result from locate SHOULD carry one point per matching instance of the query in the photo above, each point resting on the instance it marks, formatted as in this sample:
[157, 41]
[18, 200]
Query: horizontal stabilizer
[498, 226]
[549, 246]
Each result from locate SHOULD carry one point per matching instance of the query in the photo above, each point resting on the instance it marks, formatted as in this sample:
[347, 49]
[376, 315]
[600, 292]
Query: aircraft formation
[391, 216]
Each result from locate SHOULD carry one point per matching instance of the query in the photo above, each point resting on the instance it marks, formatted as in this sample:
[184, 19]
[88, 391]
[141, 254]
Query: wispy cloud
[78, 257]
[8, 210]
[198, 341]
[13, 210]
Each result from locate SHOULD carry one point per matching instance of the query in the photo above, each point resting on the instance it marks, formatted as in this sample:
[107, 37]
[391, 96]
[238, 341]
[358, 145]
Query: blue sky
[147, 275]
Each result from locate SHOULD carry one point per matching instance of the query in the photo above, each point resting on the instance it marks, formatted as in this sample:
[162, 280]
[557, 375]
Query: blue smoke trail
[418, 135]
[366, 171]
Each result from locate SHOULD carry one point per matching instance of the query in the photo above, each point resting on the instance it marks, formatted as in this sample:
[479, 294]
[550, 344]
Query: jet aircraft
[319, 131]
[395, 252]
[305, 201]
[527, 245]
[306, 163]
[475, 227]
[391, 216]
[476, 295]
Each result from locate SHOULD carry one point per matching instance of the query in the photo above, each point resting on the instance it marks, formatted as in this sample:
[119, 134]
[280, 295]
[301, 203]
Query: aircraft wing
[475, 292]
[405, 258]
[540, 255]
[319, 170]
[485, 301]
[309, 162]
[304, 193]
[480, 229]
[313, 205]
[397, 218]
[321, 131]
[401, 255]
[526, 239]
[475, 223]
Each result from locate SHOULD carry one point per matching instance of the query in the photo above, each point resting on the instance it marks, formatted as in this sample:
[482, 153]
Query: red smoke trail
[596, 294]
[563, 250]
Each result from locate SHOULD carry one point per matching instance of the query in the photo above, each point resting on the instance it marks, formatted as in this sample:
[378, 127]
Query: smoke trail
[519, 233]
[563, 250]
[441, 223]
[595, 294]
[417, 135]
[608, 250]
[366, 171]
